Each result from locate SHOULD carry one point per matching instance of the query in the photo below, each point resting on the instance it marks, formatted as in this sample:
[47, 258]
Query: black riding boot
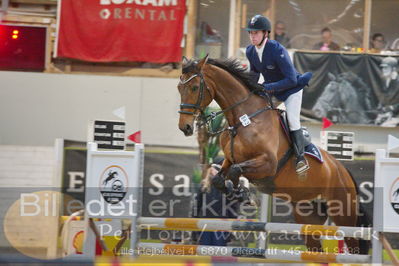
[299, 147]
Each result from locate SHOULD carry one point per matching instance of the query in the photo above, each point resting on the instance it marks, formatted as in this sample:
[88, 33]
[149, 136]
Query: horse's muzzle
[187, 130]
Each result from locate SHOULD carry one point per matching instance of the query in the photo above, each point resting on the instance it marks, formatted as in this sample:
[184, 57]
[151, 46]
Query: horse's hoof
[243, 195]
[218, 182]
[229, 189]
[234, 173]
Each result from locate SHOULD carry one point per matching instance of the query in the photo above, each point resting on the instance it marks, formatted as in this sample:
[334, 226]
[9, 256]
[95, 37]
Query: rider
[271, 59]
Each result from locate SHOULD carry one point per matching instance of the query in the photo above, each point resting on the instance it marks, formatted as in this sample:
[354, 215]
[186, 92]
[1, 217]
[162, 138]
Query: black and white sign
[109, 134]
[338, 144]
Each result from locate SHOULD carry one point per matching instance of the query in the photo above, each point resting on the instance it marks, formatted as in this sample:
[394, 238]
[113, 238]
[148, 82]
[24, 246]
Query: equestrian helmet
[259, 22]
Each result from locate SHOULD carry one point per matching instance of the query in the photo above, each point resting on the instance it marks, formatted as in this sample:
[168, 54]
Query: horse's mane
[233, 67]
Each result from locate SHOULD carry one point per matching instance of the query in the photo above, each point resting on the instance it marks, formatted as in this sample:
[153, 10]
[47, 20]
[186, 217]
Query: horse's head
[194, 93]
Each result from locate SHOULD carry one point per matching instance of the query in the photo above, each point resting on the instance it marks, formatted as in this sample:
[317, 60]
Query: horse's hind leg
[309, 212]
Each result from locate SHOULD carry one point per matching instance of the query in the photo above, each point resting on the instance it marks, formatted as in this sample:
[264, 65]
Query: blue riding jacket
[281, 77]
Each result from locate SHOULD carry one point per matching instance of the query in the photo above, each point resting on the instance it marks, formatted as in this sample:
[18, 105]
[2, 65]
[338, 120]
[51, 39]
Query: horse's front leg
[259, 167]
[219, 180]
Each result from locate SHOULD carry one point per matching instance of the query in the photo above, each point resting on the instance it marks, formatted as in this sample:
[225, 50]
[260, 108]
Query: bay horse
[257, 150]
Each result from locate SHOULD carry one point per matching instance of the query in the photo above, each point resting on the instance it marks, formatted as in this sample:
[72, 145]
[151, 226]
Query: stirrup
[302, 166]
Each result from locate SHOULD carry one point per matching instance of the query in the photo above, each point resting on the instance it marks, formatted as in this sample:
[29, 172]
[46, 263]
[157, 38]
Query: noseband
[197, 105]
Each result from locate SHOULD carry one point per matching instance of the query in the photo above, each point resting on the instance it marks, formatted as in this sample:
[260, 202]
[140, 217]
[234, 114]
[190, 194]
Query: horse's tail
[363, 220]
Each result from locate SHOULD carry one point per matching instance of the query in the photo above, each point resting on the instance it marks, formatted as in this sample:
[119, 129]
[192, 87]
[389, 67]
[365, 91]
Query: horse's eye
[194, 88]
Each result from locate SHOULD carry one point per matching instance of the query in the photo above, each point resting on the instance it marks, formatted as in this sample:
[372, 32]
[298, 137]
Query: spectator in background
[377, 43]
[389, 67]
[389, 103]
[326, 44]
[280, 36]
[212, 203]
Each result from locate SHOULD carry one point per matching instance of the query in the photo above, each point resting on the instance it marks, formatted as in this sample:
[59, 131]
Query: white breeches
[293, 107]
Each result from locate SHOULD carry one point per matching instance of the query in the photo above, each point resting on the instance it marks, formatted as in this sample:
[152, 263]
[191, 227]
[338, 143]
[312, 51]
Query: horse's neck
[229, 91]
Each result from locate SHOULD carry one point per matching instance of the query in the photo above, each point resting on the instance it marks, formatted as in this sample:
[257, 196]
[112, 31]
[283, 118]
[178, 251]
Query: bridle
[197, 105]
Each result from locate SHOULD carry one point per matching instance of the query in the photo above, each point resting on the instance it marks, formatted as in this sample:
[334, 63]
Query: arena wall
[36, 108]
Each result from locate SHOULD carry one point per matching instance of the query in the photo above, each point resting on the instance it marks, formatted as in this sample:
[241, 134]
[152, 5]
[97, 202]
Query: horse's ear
[184, 60]
[202, 62]
[331, 76]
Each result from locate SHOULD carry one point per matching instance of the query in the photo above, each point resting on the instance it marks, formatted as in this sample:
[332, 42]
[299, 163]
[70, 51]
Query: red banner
[121, 30]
